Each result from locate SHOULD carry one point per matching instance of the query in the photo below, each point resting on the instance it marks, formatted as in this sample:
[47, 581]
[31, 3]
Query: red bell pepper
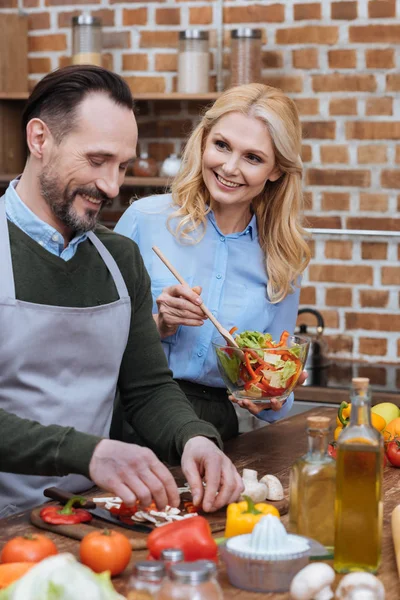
[66, 515]
[192, 536]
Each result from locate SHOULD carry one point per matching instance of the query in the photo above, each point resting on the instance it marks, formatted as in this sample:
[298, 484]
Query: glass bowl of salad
[261, 368]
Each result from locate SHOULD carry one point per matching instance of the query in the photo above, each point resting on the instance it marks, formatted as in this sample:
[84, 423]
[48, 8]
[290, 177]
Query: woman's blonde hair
[277, 208]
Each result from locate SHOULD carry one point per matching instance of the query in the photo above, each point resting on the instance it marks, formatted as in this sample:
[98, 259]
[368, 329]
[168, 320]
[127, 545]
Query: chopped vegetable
[192, 536]
[66, 515]
[61, 577]
[241, 517]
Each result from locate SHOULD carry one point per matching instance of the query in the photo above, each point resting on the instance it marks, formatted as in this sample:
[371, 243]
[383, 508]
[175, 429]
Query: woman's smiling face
[238, 159]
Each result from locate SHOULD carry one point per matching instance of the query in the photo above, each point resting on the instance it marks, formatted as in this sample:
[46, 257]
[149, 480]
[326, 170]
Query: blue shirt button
[200, 353]
[222, 239]
[219, 276]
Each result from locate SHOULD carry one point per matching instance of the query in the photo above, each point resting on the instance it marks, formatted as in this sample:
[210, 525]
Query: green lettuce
[230, 364]
[252, 339]
[61, 577]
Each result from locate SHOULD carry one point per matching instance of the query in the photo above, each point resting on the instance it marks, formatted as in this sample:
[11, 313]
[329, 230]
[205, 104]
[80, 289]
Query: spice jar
[171, 166]
[190, 581]
[86, 40]
[146, 580]
[245, 56]
[193, 62]
[145, 166]
[170, 556]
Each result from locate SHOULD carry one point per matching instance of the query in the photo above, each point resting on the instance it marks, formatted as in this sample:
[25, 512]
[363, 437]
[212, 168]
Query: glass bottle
[312, 486]
[170, 556]
[245, 56]
[146, 580]
[190, 581]
[193, 62]
[359, 509]
[86, 40]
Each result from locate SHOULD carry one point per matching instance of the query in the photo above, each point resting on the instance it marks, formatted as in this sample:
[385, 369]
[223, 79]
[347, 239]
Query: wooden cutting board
[78, 531]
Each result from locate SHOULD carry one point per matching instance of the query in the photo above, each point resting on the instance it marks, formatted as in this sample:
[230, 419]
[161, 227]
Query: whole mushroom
[313, 583]
[360, 586]
[252, 487]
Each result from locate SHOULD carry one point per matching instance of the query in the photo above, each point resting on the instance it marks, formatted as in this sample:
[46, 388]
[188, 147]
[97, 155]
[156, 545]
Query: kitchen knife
[101, 513]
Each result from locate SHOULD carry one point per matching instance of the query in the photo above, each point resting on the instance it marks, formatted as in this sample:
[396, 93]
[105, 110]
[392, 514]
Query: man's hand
[202, 460]
[179, 305]
[273, 403]
[133, 473]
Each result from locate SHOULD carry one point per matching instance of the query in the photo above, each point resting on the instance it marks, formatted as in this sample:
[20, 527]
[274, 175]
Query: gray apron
[58, 365]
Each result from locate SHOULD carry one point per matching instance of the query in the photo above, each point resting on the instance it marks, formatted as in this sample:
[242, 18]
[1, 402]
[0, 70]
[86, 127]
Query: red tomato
[105, 550]
[393, 453]
[332, 450]
[28, 548]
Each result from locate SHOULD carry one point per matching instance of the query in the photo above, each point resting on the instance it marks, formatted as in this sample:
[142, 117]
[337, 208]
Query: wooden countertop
[271, 449]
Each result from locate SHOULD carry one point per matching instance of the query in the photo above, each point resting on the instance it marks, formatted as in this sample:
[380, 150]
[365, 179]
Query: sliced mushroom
[274, 487]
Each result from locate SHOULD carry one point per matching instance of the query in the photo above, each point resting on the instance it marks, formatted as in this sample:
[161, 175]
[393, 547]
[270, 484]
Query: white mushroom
[252, 487]
[313, 583]
[360, 586]
[274, 487]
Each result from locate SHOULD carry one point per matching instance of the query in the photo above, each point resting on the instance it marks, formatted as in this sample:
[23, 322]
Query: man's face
[85, 171]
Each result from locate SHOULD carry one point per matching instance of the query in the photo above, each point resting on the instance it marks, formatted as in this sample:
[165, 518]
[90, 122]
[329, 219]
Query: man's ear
[37, 137]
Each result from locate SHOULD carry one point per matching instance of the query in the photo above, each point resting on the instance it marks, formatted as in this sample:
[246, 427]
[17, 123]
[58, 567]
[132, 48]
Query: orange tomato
[105, 550]
[28, 548]
[392, 429]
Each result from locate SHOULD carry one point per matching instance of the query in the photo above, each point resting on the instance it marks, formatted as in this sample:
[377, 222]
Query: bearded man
[76, 318]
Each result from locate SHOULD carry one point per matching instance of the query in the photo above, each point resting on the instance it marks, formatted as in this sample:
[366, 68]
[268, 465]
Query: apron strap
[110, 264]
[6, 270]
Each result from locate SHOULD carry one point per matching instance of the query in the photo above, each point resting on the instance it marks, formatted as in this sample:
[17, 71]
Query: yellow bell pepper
[343, 419]
[241, 517]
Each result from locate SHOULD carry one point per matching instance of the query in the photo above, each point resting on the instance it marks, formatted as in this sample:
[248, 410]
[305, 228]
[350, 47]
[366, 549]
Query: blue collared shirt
[230, 269]
[43, 233]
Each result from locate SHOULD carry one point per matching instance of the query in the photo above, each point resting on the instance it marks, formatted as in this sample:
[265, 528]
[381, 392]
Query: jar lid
[151, 569]
[193, 34]
[192, 573]
[316, 422]
[86, 19]
[245, 32]
[172, 554]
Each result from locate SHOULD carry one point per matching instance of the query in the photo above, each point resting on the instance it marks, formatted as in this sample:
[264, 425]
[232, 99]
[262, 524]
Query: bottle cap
[245, 32]
[86, 19]
[360, 383]
[316, 422]
[153, 570]
[193, 34]
[172, 555]
[190, 572]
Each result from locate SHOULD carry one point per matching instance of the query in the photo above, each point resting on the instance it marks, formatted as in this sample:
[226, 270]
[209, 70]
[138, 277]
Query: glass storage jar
[146, 580]
[86, 40]
[190, 581]
[193, 62]
[245, 56]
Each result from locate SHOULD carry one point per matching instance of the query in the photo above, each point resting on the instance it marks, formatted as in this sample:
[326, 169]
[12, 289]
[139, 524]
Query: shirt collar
[250, 229]
[40, 231]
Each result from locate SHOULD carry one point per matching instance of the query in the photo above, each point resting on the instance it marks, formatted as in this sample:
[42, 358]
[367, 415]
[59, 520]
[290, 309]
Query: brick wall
[339, 60]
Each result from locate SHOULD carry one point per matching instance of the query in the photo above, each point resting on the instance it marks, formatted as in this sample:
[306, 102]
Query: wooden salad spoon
[224, 332]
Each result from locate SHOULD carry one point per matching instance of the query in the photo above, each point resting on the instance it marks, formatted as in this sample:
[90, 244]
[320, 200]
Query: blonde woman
[231, 225]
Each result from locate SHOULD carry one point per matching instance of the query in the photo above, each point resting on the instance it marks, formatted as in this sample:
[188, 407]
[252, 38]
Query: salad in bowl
[261, 368]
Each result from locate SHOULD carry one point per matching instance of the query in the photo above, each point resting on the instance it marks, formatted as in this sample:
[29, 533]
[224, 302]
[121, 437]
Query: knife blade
[101, 513]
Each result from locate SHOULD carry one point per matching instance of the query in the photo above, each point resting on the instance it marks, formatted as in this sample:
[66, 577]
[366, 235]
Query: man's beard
[61, 202]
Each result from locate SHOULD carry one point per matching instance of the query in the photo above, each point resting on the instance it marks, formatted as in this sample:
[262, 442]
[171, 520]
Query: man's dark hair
[56, 97]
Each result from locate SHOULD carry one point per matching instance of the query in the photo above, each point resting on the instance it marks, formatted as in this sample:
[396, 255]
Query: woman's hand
[178, 305]
[273, 403]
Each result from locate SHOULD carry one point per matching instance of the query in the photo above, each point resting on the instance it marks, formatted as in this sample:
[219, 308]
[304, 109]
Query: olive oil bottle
[358, 507]
[312, 486]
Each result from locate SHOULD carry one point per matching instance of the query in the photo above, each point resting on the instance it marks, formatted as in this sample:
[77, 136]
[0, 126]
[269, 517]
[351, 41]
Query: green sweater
[153, 403]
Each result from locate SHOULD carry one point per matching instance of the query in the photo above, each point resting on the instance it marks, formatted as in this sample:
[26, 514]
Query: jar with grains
[146, 580]
[190, 581]
[193, 62]
[86, 40]
[245, 56]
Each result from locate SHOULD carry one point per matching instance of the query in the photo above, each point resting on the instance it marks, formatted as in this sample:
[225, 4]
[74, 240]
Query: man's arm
[152, 401]
[29, 448]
